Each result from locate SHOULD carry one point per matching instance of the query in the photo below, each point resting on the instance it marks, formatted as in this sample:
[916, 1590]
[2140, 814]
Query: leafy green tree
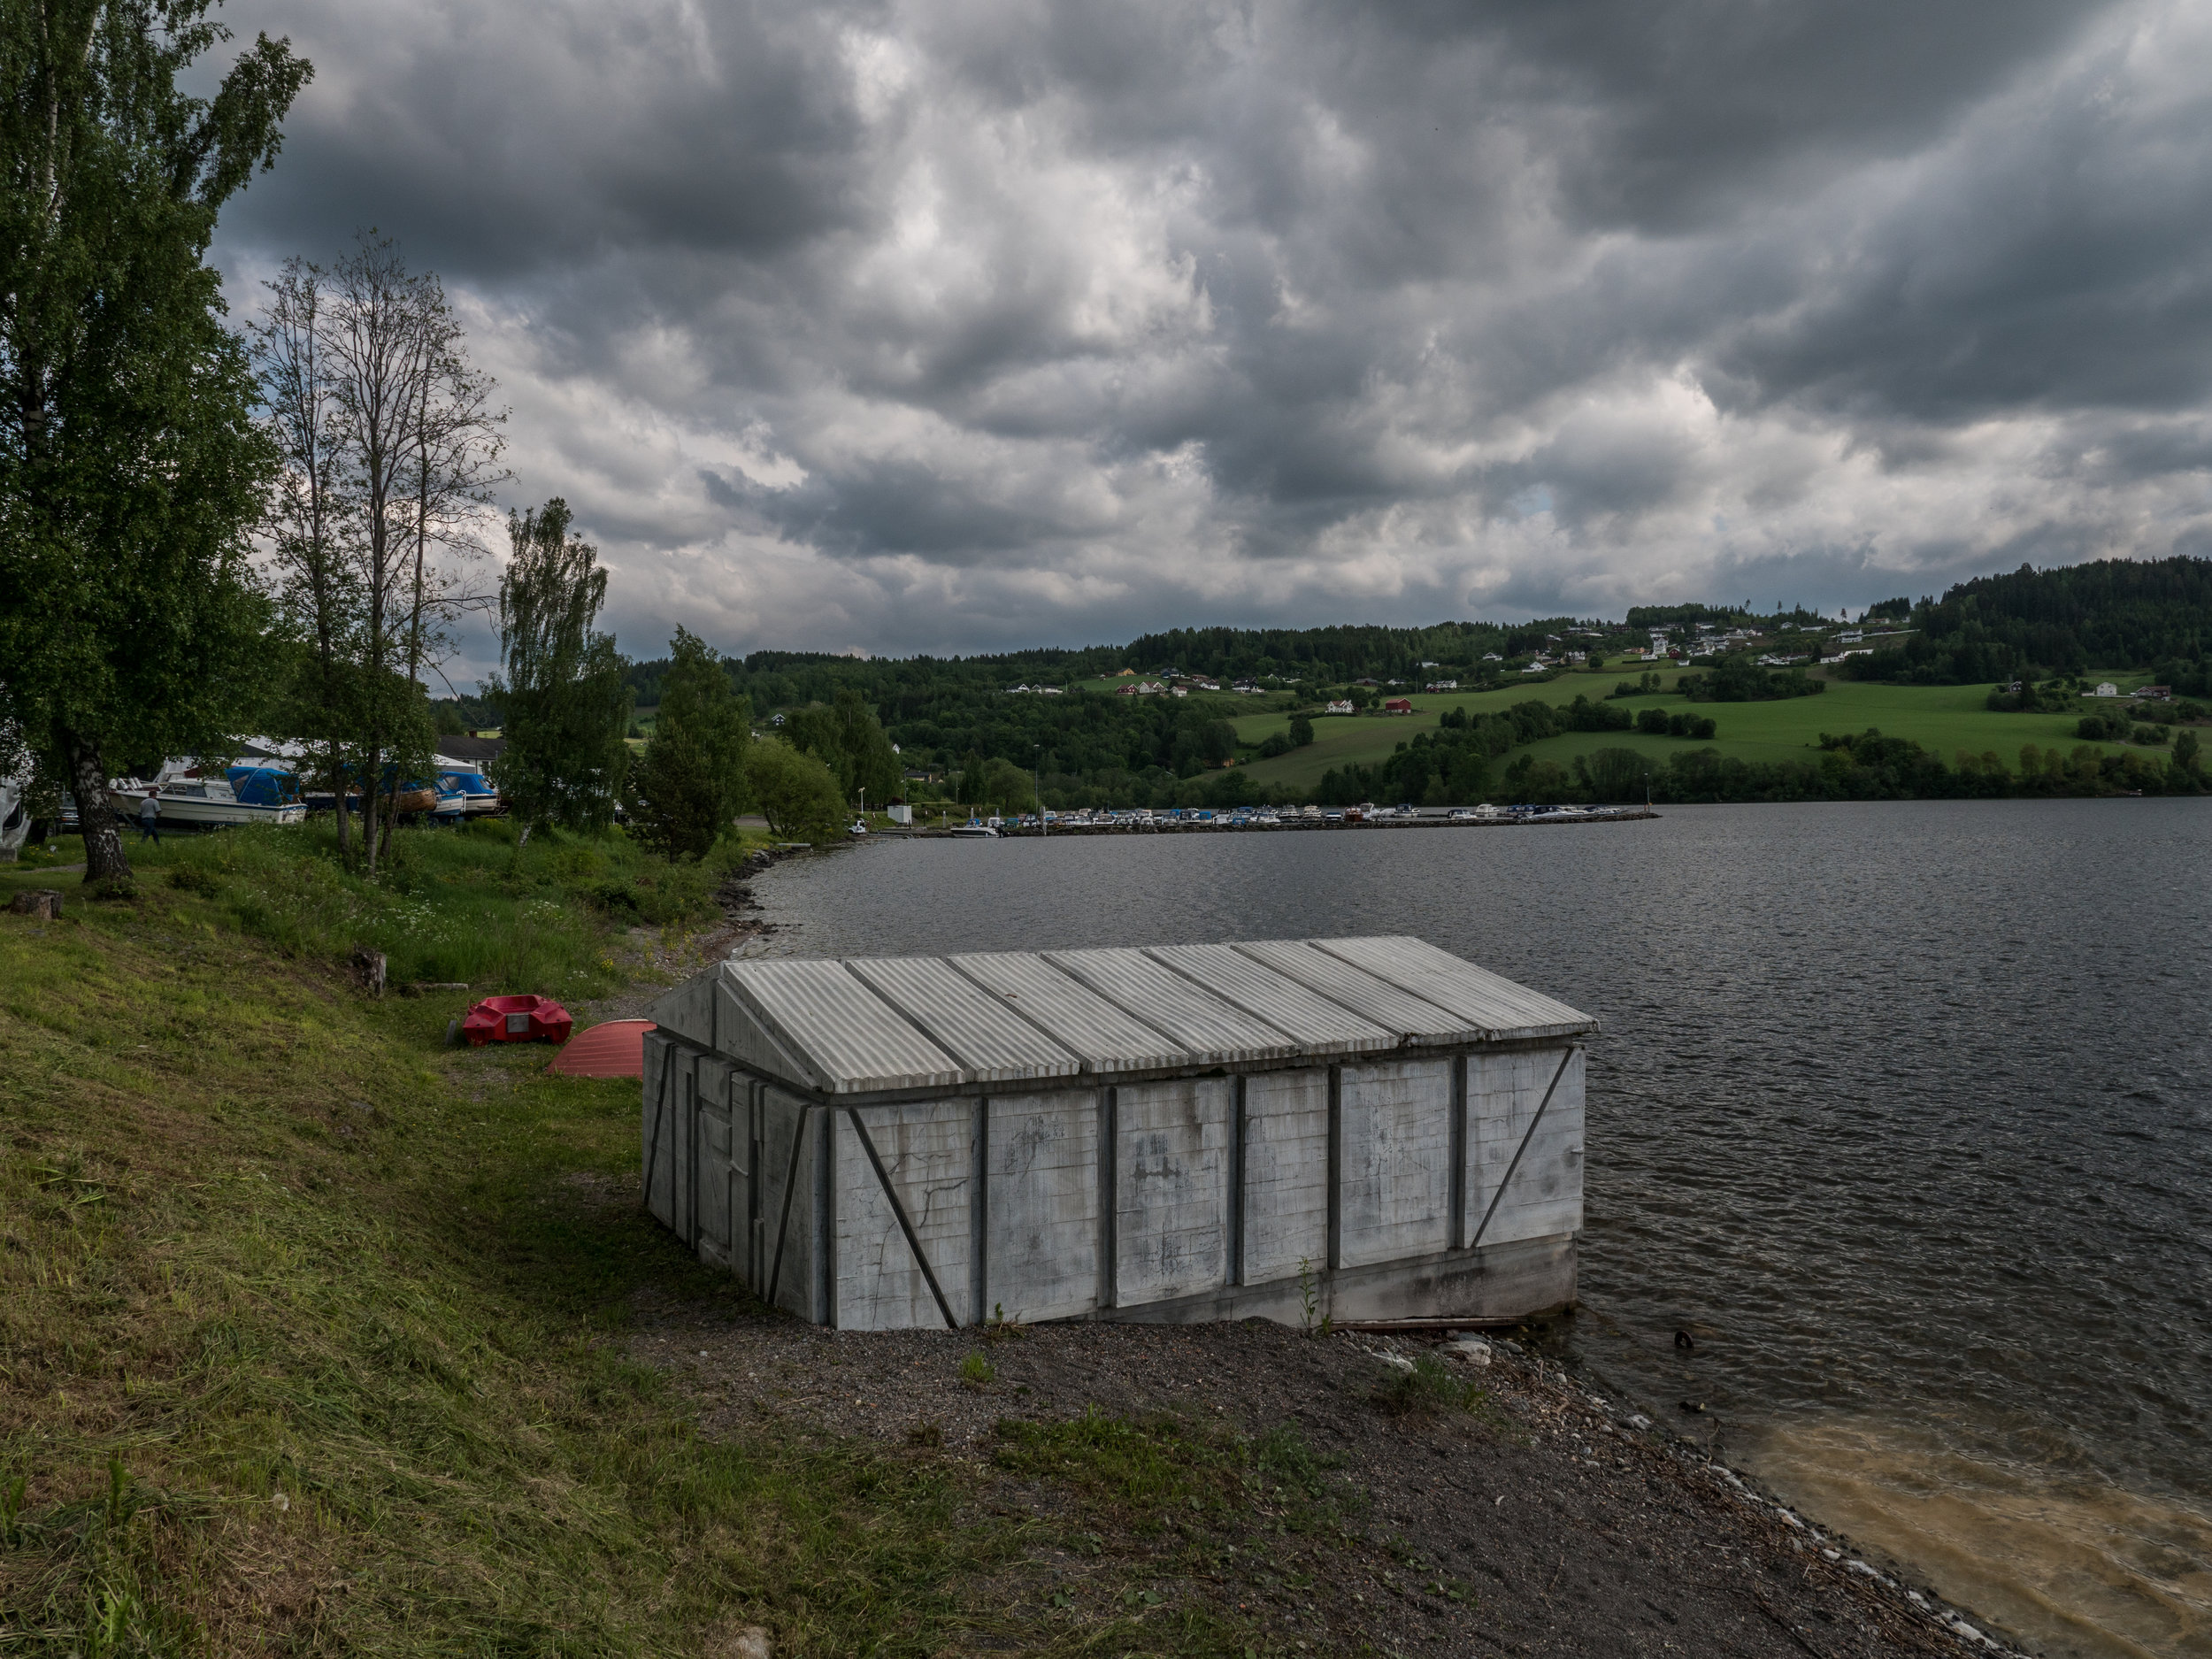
[1613, 774]
[565, 703]
[846, 736]
[131, 469]
[1007, 787]
[797, 794]
[1301, 729]
[2187, 756]
[690, 781]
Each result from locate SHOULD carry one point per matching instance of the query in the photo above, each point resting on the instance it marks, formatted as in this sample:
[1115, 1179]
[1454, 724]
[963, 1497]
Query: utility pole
[1037, 787]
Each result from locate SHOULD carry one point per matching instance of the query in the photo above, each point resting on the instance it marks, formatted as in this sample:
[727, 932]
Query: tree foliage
[131, 469]
[2140, 614]
[795, 793]
[690, 782]
[561, 687]
[846, 736]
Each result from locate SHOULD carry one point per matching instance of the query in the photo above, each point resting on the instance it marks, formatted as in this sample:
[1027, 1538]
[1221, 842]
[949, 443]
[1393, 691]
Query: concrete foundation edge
[1501, 1281]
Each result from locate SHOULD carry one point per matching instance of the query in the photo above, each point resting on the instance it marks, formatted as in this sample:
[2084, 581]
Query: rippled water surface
[1903, 1112]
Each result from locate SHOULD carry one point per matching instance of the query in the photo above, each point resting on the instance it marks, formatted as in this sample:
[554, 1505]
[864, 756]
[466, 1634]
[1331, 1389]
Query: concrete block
[1503, 1094]
[1286, 1173]
[1171, 1187]
[1040, 1252]
[928, 1151]
[1395, 1118]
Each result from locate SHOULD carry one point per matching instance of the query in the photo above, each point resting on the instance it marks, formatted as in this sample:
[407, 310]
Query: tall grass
[466, 904]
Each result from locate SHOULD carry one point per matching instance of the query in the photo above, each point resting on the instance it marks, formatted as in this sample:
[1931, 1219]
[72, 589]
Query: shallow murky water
[1902, 1113]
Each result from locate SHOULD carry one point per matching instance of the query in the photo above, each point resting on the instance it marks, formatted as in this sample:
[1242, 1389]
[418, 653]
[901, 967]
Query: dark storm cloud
[904, 326]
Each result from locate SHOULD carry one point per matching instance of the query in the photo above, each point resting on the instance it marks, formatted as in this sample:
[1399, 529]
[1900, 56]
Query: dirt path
[1542, 1520]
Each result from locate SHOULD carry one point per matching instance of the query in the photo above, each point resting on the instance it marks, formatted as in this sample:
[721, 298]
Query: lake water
[1903, 1112]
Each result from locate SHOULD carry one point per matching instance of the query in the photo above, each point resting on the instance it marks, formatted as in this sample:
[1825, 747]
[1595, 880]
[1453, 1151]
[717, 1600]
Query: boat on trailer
[210, 797]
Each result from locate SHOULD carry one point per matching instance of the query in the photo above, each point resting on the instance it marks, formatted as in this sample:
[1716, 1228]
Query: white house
[1343, 707]
[2106, 688]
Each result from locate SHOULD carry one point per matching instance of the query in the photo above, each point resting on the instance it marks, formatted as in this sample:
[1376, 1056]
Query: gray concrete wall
[1037, 1239]
[1545, 1194]
[784, 1120]
[1497, 1282]
[1172, 1188]
[1041, 1237]
[928, 1151]
[1396, 1196]
[1286, 1173]
[716, 1163]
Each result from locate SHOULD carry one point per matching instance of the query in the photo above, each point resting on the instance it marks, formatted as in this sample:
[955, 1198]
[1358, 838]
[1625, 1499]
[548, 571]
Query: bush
[797, 794]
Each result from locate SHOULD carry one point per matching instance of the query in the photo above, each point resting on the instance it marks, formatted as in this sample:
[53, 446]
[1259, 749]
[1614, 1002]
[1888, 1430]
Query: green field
[1944, 719]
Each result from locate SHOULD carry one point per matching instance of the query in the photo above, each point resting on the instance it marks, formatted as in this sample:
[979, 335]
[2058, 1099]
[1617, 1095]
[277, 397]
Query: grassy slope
[313, 1331]
[1944, 719]
[306, 1337]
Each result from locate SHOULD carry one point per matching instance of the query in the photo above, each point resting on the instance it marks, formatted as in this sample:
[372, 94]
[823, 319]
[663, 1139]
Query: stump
[43, 903]
[368, 970]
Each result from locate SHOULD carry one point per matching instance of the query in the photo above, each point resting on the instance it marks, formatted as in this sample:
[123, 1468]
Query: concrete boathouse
[1181, 1132]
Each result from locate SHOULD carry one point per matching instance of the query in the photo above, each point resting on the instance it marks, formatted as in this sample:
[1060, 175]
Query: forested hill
[2153, 616]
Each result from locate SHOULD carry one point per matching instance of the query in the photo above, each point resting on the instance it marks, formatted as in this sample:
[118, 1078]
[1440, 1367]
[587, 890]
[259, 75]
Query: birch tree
[318, 584]
[391, 450]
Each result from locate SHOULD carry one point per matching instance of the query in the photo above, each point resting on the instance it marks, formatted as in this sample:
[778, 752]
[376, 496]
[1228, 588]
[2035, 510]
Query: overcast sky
[966, 325]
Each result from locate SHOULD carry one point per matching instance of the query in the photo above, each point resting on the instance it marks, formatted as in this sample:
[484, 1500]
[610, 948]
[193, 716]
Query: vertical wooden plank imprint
[1236, 1187]
[1458, 1235]
[979, 1214]
[1109, 1182]
[1336, 1165]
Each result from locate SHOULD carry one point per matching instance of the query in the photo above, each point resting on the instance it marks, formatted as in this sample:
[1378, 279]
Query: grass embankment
[1942, 718]
[314, 1332]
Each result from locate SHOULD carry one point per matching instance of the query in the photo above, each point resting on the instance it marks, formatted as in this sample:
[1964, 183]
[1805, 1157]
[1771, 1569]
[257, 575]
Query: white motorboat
[974, 832]
[206, 799]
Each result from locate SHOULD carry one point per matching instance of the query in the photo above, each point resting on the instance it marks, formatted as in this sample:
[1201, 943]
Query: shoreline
[1559, 1408]
[1547, 1517]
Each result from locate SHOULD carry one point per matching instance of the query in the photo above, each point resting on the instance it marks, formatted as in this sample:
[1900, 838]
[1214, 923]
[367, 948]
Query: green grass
[314, 1334]
[1944, 719]
[1363, 739]
[451, 905]
[311, 1335]
[1165, 1470]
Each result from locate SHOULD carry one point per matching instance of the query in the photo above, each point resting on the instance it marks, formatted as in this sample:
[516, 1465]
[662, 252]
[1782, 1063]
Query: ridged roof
[868, 1025]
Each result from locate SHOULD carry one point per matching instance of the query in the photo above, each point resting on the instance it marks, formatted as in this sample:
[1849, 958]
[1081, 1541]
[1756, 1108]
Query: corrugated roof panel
[1504, 1009]
[853, 1041]
[992, 1043]
[1390, 1006]
[1211, 1029]
[1108, 1038]
[1320, 1025]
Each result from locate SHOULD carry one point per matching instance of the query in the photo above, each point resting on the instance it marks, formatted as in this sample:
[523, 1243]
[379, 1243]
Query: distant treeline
[1449, 768]
[2152, 617]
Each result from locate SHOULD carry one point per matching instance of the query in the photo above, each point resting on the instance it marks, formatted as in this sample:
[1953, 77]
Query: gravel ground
[1544, 1521]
